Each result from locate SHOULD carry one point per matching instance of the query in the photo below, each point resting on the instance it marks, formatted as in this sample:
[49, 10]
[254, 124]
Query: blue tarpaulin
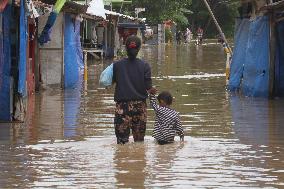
[250, 63]
[5, 65]
[1, 52]
[279, 65]
[22, 51]
[239, 56]
[73, 55]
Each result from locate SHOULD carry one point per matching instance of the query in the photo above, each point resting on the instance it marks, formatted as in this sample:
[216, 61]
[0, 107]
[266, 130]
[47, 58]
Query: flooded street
[69, 142]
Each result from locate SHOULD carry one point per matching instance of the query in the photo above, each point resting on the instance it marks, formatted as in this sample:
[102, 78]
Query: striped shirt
[167, 122]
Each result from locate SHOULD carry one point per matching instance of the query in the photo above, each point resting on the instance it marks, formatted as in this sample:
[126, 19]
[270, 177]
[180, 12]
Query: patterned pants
[130, 115]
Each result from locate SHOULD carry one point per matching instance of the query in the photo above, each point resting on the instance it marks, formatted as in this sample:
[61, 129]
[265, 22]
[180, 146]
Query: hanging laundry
[45, 34]
[58, 5]
[31, 9]
[3, 4]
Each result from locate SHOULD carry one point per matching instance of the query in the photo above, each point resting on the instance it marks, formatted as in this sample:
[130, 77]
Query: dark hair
[133, 45]
[135, 39]
[166, 97]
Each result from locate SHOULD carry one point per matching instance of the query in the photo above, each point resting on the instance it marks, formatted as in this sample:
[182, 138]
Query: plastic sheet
[1, 50]
[73, 55]
[22, 51]
[78, 47]
[106, 76]
[5, 65]
[239, 56]
[96, 8]
[250, 63]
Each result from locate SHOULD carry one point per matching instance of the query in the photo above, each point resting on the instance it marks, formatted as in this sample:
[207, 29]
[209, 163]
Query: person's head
[133, 45]
[165, 98]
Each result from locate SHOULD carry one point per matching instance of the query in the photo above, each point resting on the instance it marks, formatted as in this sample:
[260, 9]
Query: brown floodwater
[68, 139]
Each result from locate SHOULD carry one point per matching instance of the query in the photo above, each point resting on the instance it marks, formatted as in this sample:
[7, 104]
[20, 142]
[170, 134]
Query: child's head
[165, 98]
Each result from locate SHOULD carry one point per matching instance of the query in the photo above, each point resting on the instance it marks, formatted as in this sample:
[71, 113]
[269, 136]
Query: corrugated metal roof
[79, 8]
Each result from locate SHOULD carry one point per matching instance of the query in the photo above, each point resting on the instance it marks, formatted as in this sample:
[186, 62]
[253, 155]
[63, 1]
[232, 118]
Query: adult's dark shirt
[132, 78]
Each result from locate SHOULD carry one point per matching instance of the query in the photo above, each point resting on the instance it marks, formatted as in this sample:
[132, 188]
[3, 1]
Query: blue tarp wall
[22, 51]
[73, 55]
[279, 65]
[250, 62]
[5, 65]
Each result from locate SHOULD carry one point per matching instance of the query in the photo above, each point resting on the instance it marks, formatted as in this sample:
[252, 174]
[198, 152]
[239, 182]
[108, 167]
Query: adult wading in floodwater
[132, 77]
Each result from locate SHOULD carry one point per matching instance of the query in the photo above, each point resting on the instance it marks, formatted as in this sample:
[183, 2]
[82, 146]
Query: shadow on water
[68, 139]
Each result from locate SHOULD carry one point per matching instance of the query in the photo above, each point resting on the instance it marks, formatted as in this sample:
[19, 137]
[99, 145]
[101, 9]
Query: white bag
[106, 76]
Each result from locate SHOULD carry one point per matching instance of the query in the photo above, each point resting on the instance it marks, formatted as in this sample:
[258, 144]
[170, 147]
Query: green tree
[224, 11]
[161, 10]
[189, 13]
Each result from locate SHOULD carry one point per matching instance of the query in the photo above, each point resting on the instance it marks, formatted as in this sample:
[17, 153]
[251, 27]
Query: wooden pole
[85, 65]
[218, 26]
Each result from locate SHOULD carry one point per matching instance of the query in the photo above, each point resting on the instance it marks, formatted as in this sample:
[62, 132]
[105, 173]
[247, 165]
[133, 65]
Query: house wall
[51, 54]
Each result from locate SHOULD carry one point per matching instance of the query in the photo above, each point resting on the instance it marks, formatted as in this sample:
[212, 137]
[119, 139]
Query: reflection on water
[130, 165]
[68, 139]
[72, 102]
[266, 124]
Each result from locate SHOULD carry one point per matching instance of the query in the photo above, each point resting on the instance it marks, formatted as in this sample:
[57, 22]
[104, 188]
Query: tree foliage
[189, 13]
[224, 11]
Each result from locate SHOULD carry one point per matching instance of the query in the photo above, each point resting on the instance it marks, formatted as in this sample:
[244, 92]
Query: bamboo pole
[226, 46]
[85, 66]
[218, 26]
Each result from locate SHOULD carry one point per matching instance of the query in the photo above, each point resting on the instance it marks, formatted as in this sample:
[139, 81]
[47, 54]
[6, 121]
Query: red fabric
[132, 45]
[3, 4]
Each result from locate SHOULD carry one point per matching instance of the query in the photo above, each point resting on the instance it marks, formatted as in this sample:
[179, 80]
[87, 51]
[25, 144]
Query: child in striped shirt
[167, 121]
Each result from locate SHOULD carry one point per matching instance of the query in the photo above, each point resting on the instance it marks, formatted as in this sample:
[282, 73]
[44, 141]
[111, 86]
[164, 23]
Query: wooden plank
[91, 17]
[91, 51]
